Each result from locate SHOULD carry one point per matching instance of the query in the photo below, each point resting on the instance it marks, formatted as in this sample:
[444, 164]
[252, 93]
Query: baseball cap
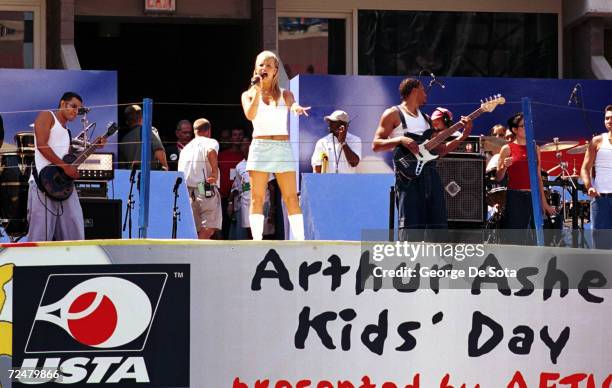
[439, 112]
[338, 115]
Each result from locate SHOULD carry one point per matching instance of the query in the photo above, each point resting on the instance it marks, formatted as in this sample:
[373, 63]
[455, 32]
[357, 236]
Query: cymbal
[492, 143]
[560, 146]
[579, 150]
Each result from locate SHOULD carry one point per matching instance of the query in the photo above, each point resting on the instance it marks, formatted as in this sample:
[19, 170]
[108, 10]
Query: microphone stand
[129, 207]
[585, 118]
[176, 215]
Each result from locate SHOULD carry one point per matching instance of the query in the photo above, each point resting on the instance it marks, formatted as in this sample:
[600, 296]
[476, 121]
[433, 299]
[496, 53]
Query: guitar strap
[402, 118]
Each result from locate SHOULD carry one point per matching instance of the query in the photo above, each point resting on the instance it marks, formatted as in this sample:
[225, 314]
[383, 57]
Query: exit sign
[160, 5]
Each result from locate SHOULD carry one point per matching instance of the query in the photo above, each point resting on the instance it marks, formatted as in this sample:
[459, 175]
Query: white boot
[257, 224]
[296, 222]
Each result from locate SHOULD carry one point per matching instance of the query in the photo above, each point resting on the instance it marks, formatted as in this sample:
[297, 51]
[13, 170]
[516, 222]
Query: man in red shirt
[228, 159]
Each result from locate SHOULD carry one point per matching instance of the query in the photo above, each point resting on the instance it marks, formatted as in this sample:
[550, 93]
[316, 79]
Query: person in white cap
[338, 151]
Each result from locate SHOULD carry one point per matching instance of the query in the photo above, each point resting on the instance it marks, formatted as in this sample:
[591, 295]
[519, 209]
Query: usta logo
[103, 312]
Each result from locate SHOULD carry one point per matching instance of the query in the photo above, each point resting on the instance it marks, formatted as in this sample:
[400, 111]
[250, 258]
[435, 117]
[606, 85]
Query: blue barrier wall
[161, 203]
[342, 206]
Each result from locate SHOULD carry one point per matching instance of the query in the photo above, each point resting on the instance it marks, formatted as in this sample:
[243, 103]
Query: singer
[266, 105]
[198, 162]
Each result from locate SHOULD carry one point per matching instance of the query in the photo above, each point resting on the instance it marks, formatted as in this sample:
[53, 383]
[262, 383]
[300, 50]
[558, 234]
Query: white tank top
[603, 166]
[59, 142]
[271, 119]
[416, 125]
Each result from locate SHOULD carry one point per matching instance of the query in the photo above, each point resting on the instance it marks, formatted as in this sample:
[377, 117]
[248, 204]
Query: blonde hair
[264, 56]
[496, 127]
[201, 125]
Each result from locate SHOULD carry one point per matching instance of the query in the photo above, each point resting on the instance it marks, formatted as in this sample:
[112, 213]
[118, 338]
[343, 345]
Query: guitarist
[49, 219]
[420, 200]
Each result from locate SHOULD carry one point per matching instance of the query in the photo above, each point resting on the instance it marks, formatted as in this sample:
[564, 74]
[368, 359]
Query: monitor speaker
[463, 182]
[102, 218]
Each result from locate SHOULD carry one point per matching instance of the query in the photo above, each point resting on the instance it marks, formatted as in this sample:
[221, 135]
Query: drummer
[498, 131]
[513, 162]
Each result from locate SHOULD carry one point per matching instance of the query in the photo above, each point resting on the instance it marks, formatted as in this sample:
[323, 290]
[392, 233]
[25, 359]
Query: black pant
[421, 204]
[518, 218]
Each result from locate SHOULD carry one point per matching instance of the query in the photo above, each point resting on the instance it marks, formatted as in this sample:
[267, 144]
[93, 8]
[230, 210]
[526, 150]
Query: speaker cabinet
[102, 218]
[463, 182]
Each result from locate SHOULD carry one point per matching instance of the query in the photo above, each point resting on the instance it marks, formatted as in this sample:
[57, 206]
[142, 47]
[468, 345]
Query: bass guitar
[411, 165]
[54, 182]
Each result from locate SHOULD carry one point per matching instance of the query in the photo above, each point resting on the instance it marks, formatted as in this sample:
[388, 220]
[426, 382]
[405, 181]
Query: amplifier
[463, 182]
[471, 145]
[91, 189]
[102, 218]
[97, 167]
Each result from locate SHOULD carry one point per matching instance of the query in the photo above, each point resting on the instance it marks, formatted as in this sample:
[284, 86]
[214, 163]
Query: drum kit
[574, 209]
[15, 170]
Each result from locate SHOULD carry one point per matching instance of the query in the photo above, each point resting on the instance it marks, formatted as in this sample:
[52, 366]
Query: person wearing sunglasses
[341, 149]
[50, 219]
[513, 162]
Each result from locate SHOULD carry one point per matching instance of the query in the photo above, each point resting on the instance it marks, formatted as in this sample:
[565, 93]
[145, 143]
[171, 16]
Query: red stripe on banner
[18, 244]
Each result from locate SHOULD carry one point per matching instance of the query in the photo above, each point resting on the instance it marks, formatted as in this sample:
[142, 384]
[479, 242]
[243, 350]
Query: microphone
[257, 78]
[179, 180]
[573, 96]
[133, 173]
[82, 110]
[435, 81]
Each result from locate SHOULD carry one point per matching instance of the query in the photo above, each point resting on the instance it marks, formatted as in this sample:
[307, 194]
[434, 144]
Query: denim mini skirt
[268, 155]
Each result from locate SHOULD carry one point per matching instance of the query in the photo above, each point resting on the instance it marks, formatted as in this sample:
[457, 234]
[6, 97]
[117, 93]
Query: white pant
[54, 220]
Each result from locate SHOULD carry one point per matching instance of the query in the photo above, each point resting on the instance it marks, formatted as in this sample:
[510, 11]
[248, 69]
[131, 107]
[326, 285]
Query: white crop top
[271, 119]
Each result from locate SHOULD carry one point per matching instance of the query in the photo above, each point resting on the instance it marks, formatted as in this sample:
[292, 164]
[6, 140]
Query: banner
[285, 314]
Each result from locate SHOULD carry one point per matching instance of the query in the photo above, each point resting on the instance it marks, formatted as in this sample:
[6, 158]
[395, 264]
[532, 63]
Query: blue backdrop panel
[342, 206]
[161, 202]
[36, 90]
[365, 98]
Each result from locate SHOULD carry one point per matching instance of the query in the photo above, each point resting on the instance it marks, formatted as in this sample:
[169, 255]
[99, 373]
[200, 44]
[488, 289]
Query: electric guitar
[54, 182]
[411, 165]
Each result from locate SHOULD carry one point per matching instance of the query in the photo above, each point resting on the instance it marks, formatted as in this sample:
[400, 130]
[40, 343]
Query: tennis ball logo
[103, 312]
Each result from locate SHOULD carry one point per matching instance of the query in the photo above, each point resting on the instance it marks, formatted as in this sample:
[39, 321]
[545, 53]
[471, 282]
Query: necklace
[337, 156]
[409, 112]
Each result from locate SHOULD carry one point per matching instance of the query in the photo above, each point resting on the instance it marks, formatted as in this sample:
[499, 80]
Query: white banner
[288, 314]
